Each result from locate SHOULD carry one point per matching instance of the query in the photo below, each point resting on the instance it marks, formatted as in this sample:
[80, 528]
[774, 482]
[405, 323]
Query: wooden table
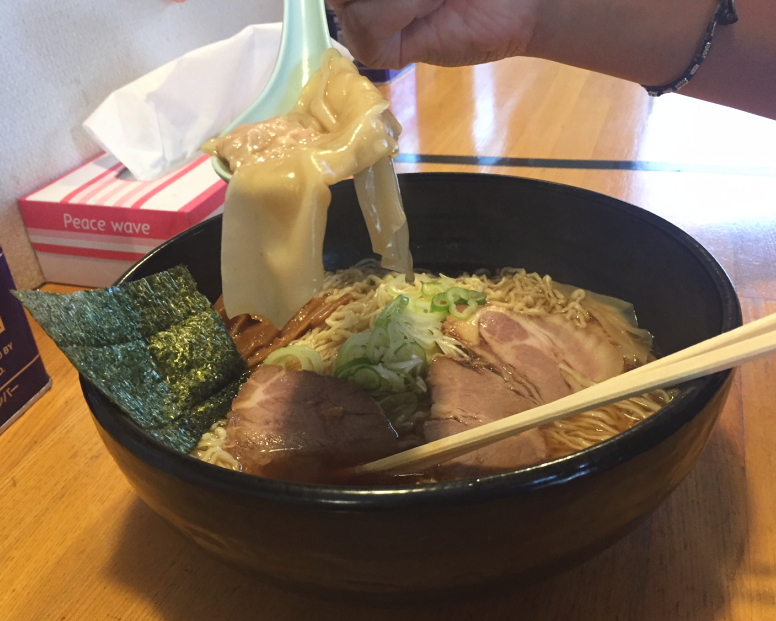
[76, 543]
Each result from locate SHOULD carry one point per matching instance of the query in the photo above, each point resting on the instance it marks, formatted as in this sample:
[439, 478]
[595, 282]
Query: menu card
[23, 378]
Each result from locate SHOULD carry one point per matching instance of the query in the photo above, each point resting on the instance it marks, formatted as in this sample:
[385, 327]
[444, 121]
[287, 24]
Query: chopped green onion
[396, 306]
[354, 347]
[379, 341]
[392, 358]
[457, 295]
[395, 380]
[409, 367]
[399, 406]
[367, 377]
[411, 351]
[430, 289]
[296, 357]
[466, 312]
[420, 309]
[447, 301]
[351, 366]
[386, 386]
[440, 304]
[477, 296]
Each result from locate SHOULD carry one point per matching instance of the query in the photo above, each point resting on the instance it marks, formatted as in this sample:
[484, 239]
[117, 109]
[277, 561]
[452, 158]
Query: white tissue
[158, 123]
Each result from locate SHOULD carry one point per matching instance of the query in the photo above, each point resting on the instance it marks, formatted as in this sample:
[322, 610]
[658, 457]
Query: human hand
[392, 34]
[645, 42]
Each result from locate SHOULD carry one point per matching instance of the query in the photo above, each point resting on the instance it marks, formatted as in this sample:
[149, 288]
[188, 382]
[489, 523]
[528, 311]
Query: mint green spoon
[304, 39]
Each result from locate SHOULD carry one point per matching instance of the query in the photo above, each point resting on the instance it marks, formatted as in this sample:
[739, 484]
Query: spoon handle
[304, 40]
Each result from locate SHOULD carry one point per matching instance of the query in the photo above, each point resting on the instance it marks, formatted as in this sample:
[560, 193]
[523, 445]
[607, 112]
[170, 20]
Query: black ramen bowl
[464, 536]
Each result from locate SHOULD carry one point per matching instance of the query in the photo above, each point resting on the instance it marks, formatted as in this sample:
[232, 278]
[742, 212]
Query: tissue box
[91, 225]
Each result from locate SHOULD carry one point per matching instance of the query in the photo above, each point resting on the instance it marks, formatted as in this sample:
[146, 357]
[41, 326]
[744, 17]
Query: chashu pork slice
[587, 350]
[465, 397]
[529, 349]
[302, 426]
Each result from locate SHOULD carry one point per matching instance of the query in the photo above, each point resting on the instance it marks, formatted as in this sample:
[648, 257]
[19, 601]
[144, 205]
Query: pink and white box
[91, 225]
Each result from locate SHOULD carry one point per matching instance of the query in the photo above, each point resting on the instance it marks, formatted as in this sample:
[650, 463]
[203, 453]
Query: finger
[372, 28]
[439, 38]
[383, 18]
[464, 35]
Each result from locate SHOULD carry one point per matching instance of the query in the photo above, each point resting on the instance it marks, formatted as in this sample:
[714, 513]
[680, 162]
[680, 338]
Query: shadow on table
[675, 566]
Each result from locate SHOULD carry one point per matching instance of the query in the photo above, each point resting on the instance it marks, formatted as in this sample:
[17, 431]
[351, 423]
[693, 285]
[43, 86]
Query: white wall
[58, 60]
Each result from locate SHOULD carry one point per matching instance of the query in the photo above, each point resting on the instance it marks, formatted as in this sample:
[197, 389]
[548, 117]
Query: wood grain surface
[76, 543]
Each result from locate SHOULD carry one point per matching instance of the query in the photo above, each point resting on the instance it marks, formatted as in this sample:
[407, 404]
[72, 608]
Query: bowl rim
[596, 459]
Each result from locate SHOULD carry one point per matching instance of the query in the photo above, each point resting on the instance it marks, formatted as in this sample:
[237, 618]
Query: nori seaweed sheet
[155, 347]
[184, 433]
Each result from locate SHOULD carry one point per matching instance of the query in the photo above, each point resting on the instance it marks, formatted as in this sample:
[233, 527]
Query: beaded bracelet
[724, 15]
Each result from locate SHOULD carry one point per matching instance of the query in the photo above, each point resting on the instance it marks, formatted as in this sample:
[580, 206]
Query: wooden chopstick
[738, 346]
[750, 330]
